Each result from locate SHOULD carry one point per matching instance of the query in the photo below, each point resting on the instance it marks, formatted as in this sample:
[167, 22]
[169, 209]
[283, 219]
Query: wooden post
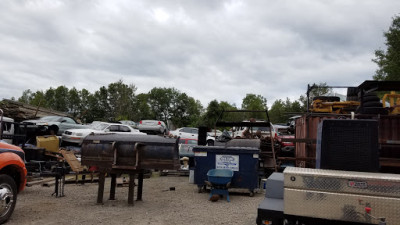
[140, 186]
[100, 193]
[131, 188]
[113, 185]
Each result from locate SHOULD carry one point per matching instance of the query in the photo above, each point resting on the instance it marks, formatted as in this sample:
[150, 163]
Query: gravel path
[185, 205]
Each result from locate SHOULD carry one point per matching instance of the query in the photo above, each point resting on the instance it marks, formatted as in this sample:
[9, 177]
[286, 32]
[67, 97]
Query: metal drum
[130, 152]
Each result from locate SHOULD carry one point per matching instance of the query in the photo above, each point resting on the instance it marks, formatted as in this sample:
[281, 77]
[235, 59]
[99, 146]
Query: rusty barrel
[130, 152]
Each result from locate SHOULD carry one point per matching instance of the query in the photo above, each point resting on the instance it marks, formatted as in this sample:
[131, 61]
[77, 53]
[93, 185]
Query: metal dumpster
[243, 162]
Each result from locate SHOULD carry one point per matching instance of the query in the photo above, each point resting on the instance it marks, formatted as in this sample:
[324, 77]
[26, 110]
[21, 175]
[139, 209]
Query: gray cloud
[208, 49]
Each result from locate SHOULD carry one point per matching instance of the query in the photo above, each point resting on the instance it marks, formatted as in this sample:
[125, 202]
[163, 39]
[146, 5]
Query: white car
[191, 133]
[77, 135]
[214, 133]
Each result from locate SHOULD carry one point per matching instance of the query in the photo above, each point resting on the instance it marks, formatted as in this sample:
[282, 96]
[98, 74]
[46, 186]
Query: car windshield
[100, 126]
[50, 118]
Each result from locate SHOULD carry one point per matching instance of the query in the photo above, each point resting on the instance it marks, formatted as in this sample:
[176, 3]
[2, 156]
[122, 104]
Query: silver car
[56, 123]
[152, 127]
[77, 135]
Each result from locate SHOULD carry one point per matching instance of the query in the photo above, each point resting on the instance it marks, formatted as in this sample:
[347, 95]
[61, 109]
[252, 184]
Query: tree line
[119, 101]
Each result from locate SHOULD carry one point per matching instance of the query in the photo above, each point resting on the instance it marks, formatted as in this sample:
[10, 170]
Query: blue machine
[243, 161]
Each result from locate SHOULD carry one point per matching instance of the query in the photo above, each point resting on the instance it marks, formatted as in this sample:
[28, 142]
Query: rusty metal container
[130, 152]
[388, 132]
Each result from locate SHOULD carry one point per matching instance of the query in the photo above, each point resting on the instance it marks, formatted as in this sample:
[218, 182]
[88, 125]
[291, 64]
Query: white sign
[227, 162]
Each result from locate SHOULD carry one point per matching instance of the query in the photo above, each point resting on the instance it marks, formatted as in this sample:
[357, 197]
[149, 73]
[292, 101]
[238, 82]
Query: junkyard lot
[159, 206]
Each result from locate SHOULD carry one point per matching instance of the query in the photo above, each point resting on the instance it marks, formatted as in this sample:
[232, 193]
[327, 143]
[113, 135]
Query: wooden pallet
[73, 162]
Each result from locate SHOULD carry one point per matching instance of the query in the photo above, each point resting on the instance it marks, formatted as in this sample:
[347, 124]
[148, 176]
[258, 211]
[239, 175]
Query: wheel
[372, 98]
[210, 143]
[251, 193]
[8, 197]
[366, 94]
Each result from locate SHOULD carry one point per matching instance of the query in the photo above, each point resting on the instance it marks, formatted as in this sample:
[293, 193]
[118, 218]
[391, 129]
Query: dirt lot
[159, 206]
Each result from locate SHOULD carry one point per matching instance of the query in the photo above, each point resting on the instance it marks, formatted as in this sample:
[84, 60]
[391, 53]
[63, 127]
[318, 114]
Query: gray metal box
[341, 195]
[274, 186]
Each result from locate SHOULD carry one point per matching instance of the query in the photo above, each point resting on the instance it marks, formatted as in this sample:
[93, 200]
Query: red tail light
[140, 122]
[159, 123]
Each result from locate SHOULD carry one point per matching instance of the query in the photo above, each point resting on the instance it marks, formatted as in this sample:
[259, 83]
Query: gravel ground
[185, 205]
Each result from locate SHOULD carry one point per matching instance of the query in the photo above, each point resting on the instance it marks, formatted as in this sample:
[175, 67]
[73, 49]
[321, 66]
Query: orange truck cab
[12, 178]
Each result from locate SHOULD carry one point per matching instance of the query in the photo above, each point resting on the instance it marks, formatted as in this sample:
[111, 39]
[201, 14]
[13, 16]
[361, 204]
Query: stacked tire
[352, 94]
[370, 104]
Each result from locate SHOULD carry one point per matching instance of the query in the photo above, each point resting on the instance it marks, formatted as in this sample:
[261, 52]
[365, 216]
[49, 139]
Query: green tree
[211, 115]
[255, 102]
[49, 95]
[281, 110]
[315, 90]
[276, 113]
[185, 110]
[142, 107]
[61, 99]
[74, 102]
[26, 96]
[121, 98]
[213, 112]
[84, 105]
[389, 61]
[160, 101]
[38, 99]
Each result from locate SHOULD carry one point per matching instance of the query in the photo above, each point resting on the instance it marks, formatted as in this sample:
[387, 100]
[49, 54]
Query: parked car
[214, 133]
[58, 124]
[129, 123]
[152, 127]
[191, 133]
[286, 147]
[77, 135]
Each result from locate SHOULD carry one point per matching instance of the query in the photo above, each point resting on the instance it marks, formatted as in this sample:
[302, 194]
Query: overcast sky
[208, 49]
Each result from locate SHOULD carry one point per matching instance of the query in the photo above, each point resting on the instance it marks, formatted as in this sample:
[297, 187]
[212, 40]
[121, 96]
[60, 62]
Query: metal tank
[130, 152]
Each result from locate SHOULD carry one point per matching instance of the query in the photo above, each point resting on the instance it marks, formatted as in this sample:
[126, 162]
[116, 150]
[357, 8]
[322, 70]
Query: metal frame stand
[113, 175]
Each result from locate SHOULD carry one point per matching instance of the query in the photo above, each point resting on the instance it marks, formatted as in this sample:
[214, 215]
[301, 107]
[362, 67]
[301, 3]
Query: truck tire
[372, 104]
[371, 98]
[8, 197]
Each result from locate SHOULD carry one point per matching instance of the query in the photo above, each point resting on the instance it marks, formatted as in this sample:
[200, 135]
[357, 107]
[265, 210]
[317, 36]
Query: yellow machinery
[322, 106]
[394, 101]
